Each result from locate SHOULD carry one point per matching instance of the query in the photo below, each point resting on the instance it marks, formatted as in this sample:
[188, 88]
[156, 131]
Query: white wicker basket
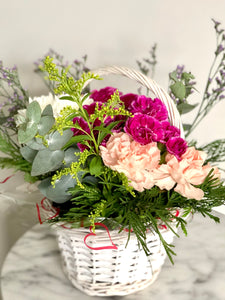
[110, 272]
[125, 270]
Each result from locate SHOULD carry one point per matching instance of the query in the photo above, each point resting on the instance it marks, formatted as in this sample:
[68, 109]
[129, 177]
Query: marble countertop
[32, 270]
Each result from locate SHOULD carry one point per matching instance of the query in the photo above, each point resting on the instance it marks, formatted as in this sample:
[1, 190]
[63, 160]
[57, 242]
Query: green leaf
[67, 98]
[96, 166]
[29, 178]
[36, 144]
[47, 111]
[28, 153]
[46, 161]
[77, 139]
[187, 76]
[3, 120]
[34, 112]
[184, 108]
[25, 135]
[103, 131]
[45, 124]
[70, 156]
[179, 90]
[56, 140]
[173, 76]
[187, 126]
[90, 180]
[59, 193]
[183, 228]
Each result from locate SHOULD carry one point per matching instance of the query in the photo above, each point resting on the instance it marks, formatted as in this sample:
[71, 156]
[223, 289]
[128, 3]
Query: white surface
[32, 270]
[17, 210]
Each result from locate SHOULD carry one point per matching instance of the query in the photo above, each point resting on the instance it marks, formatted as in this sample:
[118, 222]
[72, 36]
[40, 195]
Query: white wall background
[114, 32]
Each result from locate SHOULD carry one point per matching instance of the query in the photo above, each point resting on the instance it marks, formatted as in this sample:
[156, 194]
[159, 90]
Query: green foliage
[96, 166]
[181, 87]
[139, 212]
[35, 123]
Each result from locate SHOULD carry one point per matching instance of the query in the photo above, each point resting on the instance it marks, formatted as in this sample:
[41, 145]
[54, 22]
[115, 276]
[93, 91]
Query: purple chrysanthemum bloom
[176, 146]
[169, 131]
[103, 95]
[144, 129]
[83, 124]
[154, 108]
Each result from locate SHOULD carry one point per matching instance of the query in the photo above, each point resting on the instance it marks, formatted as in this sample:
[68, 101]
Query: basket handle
[150, 84]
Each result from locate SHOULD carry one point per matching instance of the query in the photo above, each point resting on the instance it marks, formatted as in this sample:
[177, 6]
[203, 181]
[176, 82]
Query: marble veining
[32, 270]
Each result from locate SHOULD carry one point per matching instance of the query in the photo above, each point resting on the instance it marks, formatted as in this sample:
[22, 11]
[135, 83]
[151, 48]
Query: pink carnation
[194, 157]
[176, 146]
[137, 162]
[185, 173]
[154, 108]
[103, 95]
[144, 129]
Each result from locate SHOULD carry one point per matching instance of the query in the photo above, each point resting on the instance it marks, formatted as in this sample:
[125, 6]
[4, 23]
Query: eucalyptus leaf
[25, 135]
[56, 141]
[36, 144]
[179, 90]
[34, 112]
[46, 161]
[45, 124]
[59, 193]
[70, 156]
[28, 153]
[90, 180]
[47, 111]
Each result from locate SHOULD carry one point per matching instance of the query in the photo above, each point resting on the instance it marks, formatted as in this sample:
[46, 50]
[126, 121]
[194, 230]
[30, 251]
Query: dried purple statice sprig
[147, 65]
[215, 86]
[13, 96]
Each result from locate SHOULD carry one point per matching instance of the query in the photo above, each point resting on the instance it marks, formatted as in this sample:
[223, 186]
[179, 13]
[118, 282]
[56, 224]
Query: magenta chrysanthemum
[144, 129]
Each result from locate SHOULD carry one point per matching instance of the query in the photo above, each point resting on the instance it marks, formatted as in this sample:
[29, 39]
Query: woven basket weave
[127, 269]
[110, 272]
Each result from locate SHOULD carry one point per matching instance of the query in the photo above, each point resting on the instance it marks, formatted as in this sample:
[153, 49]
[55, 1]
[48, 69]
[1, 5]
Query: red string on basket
[6, 179]
[163, 226]
[46, 208]
[112, 246]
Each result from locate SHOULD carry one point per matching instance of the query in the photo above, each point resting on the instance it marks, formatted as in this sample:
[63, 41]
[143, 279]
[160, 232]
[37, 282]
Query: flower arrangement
[104, 156]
